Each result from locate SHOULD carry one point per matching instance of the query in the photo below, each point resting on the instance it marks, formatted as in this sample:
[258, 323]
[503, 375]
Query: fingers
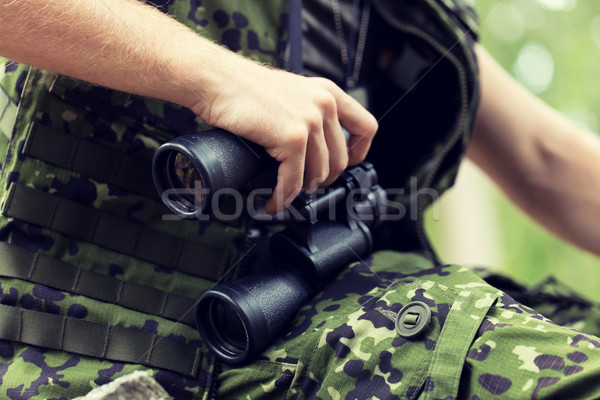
[338, 150]
[359, 122]
[289, 183]
[304, 164]
[317, 162]
[316, 152]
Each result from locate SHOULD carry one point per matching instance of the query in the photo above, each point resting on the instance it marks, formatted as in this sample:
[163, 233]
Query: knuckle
[327, 84]
[297, 139]
[326, 102]
[314, 121]
[372, 130]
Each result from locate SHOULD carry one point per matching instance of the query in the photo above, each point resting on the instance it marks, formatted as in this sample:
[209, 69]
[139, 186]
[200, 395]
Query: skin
[135, 48]
[543, 162]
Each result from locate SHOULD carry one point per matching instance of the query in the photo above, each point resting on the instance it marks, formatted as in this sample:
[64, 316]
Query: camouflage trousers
[479, 343]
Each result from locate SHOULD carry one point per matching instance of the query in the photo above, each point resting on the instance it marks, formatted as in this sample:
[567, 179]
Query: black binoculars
[325, 232]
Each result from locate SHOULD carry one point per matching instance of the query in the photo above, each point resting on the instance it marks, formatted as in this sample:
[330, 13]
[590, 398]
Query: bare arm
[126, 45]
[544, 163]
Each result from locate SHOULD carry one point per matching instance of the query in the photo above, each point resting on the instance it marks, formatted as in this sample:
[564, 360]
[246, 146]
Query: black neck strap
[295, 37]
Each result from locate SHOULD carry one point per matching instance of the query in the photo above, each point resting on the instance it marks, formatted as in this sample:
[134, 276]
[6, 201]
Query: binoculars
[324, 233]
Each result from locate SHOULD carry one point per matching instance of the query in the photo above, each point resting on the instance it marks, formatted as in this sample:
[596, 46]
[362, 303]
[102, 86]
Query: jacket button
[413, 319]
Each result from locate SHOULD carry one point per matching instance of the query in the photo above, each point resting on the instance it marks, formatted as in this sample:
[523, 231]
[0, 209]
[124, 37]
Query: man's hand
[297, 120]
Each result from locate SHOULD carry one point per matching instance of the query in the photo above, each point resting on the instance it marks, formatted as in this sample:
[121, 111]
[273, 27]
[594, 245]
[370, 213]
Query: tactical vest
[94, 277]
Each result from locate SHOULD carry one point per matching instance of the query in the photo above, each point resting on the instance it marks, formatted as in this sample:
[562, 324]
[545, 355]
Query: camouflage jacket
[96, 284]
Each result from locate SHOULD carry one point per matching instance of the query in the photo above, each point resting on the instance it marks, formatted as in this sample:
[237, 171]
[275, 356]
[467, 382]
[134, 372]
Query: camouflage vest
[93, 277]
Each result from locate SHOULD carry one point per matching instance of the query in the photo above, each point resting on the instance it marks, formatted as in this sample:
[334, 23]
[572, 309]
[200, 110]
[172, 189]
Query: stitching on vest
[33, 265]
[106, 340]
[76, 281]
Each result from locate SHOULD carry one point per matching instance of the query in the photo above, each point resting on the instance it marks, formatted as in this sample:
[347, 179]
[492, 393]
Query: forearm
[122, 44]
[544, 163]
[126, 45]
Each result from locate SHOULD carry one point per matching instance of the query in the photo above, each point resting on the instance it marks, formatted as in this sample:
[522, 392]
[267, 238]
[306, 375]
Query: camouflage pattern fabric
[555, 300]
[124, 125]
[479, 344]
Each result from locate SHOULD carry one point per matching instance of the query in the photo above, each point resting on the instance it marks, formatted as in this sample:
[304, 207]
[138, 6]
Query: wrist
[218, 84]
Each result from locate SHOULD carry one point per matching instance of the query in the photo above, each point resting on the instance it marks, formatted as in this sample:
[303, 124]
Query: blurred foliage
[528, 37]
[552, 47]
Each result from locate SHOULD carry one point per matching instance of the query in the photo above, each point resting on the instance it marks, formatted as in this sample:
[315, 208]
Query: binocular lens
[185, 171]
[189, 171]
[238, 319]
[183, 176]
[227, 328]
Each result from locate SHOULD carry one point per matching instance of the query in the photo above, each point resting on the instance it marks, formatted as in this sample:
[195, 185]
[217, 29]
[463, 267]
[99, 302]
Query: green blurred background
[553, 48]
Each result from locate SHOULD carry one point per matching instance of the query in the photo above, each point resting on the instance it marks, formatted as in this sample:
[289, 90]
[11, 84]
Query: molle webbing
[96, 161]
[99, 162]
[95, 339]
[18, 262]
[113, 232]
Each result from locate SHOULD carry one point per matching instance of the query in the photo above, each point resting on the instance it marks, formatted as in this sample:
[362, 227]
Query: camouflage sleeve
[480, 343]
[553, 299]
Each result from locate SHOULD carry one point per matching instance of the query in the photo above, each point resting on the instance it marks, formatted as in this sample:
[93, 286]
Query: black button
[413, 319]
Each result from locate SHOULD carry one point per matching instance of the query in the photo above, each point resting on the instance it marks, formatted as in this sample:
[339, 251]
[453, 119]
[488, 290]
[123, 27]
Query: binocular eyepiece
[190, 170]
[239, 319]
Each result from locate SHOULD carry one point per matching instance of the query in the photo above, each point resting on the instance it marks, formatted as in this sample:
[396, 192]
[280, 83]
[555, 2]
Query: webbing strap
[112, 232]
[99, 340]
[96, 161]
[18, 262]
[99, 162]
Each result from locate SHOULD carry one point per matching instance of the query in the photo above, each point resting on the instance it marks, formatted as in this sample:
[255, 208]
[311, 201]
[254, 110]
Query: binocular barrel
[189, 170]
[239, 319]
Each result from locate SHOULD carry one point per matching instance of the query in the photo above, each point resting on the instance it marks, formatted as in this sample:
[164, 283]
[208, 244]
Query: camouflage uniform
[95, 284]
